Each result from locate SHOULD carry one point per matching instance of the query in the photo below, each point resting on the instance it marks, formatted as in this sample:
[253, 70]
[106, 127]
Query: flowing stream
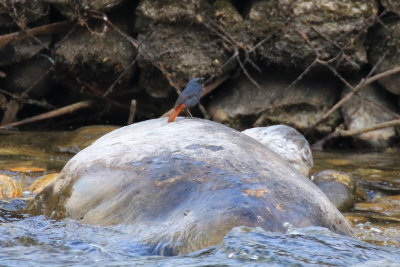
[39, 241]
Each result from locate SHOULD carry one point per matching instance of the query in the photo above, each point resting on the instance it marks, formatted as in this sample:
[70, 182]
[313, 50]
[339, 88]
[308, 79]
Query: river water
[38, 241]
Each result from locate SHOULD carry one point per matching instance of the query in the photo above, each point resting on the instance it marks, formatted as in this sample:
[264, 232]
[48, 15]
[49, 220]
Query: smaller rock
[385, 40]
[24, 11]
[241, 104]
[25, 169]
[33, 76]
[391, 5]
[339, 187]
[42, 182]
[360, 113]
[287, 142]
[20, 50]
[75, 141]
[9, 188]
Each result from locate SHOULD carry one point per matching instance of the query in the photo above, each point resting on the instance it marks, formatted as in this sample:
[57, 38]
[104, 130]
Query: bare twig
[132, 112]
[111, 88]
[340, 132]
[346, 133]
[50, 114]
[42, 104]
[46, 29]
[360, 85]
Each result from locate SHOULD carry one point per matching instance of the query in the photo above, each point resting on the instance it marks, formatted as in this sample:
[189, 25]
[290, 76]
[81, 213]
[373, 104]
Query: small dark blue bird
[189, 98]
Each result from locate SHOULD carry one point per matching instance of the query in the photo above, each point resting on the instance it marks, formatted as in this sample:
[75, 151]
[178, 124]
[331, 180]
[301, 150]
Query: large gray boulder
[184, 185]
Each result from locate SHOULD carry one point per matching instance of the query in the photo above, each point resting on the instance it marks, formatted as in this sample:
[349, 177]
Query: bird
[189, 98]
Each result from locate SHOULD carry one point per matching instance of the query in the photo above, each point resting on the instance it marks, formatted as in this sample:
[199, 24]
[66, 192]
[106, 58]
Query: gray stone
[371, 106]
[22, 11]
[391, 5]
[20, 50]
[34, 77]
[287, 142]
[385, 40]
[240, 104]
[297, 29]
[73, 9]
[184, 185]
[339, 187]
[97, 58]
[181, 44]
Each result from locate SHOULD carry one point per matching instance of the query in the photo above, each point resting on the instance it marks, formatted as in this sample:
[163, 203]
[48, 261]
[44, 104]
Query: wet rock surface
[188, 183]
[339, 187]
[34, 144]
[9, 188]
[42, 182]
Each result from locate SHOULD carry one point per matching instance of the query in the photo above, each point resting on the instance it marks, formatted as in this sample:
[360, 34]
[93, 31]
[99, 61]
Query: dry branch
[50, 114]
[5, 39]
[132, 112]
[346, 133]
[340, 132]
[360, 85]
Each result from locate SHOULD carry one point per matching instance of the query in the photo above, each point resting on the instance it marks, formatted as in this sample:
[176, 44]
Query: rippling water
[38, 241]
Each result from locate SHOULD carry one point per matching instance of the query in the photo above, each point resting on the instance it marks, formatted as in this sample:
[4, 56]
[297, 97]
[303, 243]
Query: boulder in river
[9, 188]
[338, 186]
[287, 142]
[184, 185]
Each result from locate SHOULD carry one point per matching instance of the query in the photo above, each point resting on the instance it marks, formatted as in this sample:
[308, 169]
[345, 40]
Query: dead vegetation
[243, 55]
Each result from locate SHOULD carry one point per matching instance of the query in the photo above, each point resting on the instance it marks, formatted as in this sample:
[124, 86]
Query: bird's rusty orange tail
[176, 112]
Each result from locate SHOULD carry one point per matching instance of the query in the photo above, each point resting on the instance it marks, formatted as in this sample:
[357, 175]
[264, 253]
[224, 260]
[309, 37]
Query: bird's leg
[188, 112]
